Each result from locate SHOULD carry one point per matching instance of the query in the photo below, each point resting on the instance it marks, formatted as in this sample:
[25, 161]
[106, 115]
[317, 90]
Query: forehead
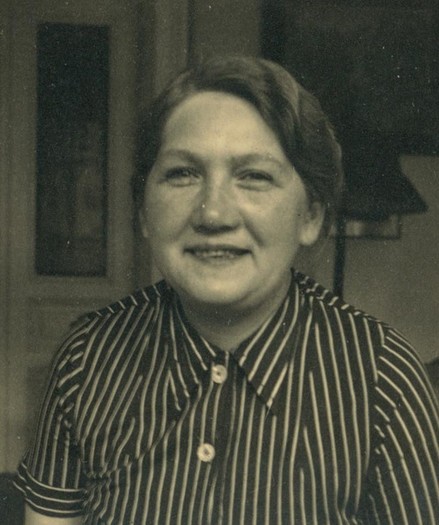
[219, 121]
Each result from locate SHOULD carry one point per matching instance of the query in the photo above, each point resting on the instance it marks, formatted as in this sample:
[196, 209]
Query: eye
[181, 176]
[256, 179]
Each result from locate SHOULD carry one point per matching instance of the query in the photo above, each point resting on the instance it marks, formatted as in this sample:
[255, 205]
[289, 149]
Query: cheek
[154, 218]
[279, 221]
[166, 217]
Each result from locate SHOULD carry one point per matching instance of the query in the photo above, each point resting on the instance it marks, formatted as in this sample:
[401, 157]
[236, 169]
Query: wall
[398, 281]
[224, 26]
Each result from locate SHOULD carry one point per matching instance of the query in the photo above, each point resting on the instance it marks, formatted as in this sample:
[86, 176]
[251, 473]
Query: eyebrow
[236, 160]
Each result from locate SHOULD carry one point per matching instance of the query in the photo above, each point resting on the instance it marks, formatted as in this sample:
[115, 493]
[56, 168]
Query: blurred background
[74, 77]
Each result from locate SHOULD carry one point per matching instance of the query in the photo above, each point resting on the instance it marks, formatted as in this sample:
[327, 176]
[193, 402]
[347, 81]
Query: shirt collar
[264, 356]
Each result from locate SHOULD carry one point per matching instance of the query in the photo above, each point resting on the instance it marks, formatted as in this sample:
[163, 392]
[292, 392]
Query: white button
[219, 373]
[206, 452]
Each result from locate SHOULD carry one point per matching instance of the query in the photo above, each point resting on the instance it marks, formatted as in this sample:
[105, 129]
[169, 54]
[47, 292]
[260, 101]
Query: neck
[227, 327]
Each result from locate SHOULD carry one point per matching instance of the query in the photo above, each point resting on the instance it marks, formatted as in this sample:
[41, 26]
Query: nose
[216, 208]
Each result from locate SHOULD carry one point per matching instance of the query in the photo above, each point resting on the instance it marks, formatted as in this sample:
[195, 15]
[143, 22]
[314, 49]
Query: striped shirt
[323, 416]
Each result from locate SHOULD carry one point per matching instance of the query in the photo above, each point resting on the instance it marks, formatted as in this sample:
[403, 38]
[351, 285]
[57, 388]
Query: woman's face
[224, 210]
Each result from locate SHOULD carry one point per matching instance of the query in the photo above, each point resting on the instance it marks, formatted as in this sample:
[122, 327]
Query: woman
[236, 390]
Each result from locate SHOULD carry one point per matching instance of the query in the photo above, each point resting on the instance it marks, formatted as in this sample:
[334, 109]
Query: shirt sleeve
[402, 484]
[50, 475]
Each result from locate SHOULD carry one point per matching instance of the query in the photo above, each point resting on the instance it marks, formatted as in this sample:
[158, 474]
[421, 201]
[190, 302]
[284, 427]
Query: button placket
[206, 451]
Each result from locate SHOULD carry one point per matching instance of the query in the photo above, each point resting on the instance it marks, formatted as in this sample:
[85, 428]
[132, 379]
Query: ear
[312, 224]
[143, 224]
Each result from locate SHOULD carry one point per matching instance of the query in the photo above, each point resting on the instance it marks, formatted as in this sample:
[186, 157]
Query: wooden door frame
[5, 29]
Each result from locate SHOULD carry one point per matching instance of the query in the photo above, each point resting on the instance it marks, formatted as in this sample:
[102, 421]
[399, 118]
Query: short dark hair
[293, 113]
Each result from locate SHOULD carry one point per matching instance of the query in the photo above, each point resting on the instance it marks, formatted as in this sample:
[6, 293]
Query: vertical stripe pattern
[323, 416]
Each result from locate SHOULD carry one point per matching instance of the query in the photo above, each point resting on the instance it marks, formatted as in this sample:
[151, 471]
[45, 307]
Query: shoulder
[345, 325]
[318, 294]
[386, 357]
[323, 302]
[113, 328]
[337, 311]
[148, 298]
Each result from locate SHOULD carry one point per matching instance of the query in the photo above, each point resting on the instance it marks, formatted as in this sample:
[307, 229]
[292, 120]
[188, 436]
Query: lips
[217, 252]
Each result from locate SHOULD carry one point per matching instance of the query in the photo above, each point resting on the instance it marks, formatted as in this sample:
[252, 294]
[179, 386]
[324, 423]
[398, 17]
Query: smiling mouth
[217, 254]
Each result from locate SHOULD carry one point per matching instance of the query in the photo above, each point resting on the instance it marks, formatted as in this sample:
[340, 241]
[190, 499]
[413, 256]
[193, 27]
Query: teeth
[226, 254]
